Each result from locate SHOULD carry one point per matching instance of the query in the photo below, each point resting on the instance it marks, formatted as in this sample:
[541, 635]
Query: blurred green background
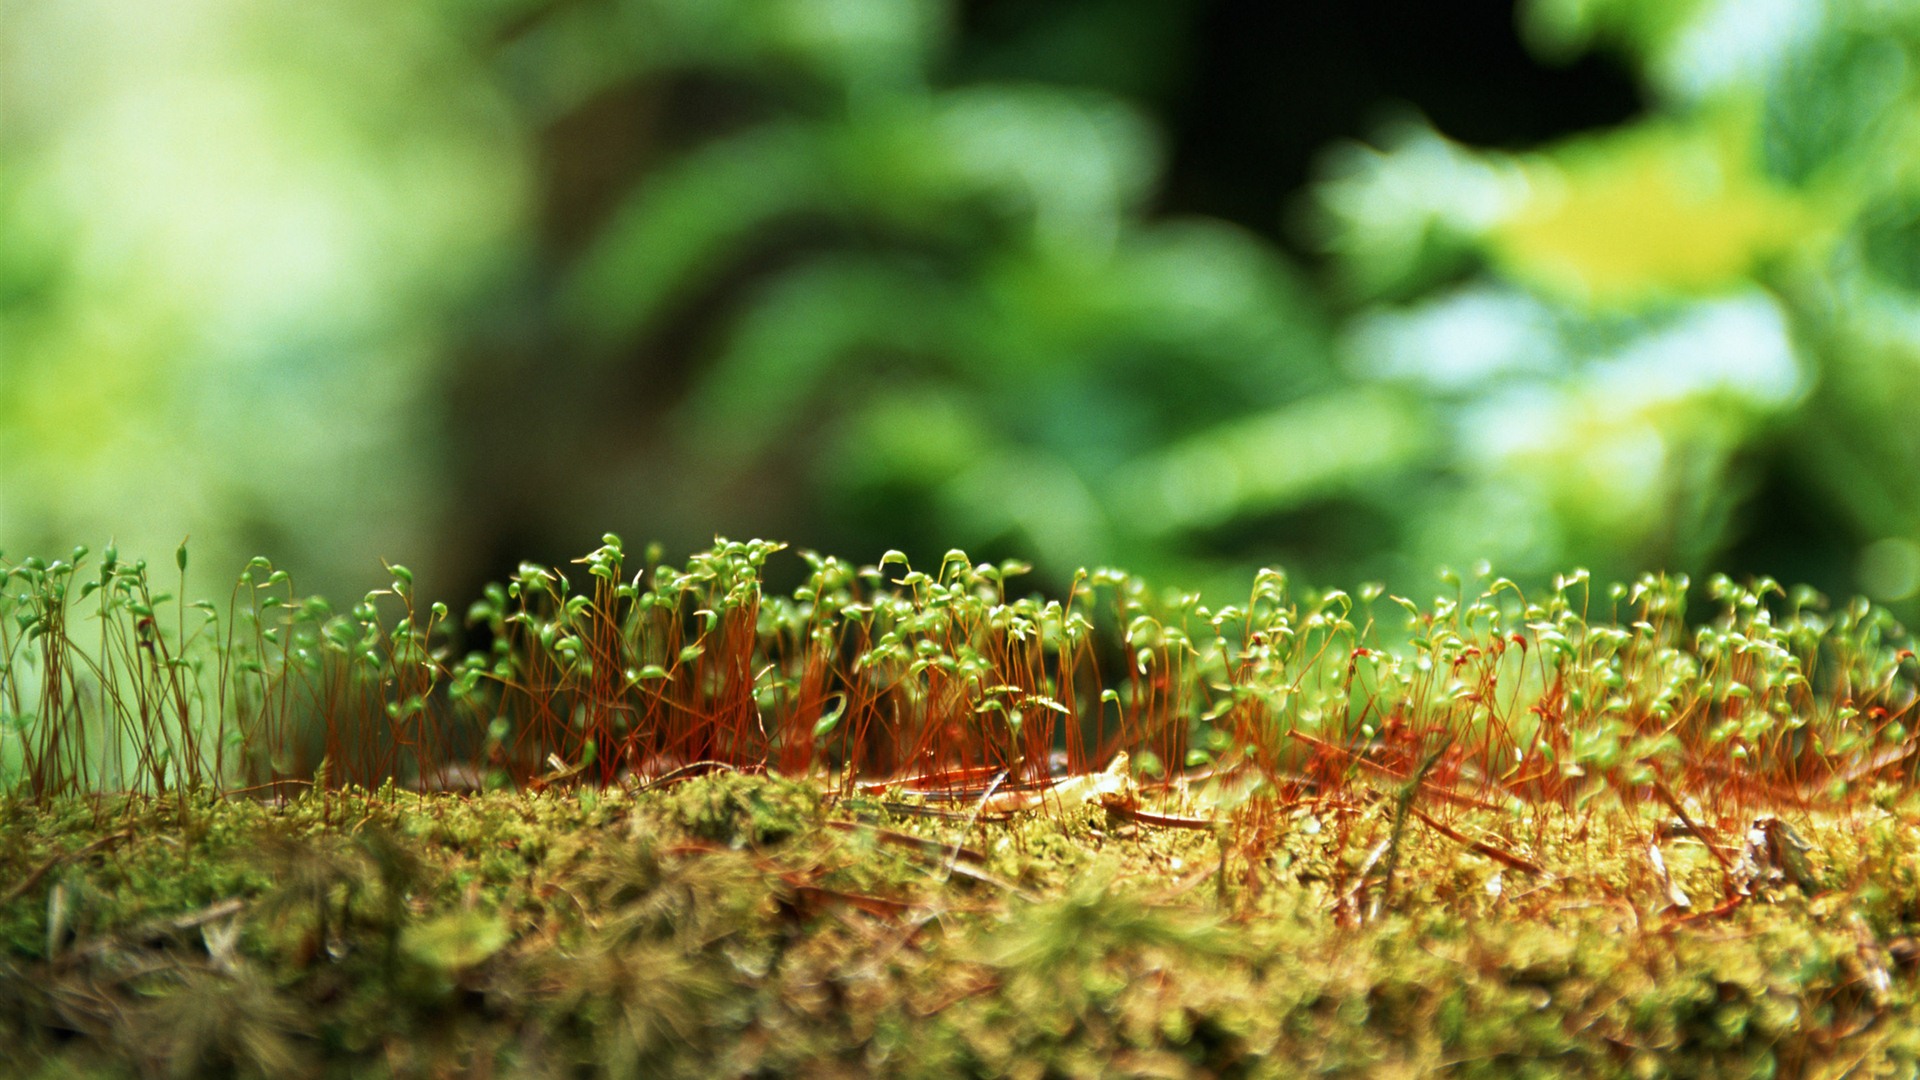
[1182, 286]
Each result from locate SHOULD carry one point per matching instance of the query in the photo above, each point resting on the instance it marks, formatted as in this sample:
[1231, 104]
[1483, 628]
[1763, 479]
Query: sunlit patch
[1627, 218]
[1890, 569]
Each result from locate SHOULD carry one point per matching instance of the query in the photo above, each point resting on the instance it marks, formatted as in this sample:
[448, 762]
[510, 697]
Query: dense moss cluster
[895, 822]
[742, 925]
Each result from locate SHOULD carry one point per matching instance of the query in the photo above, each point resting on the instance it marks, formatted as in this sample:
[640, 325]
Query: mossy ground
[738, 925]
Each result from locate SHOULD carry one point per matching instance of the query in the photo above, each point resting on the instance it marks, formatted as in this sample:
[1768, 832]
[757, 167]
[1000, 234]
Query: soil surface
[734, 925]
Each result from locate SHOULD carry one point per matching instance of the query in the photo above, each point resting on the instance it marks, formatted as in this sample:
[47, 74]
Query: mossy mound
[736, 925]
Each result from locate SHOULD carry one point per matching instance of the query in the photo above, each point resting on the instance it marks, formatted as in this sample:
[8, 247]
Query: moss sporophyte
[898, 821]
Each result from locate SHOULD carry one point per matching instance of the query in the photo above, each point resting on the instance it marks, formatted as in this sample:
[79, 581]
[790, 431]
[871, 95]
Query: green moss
[729, 808]
[722, 925]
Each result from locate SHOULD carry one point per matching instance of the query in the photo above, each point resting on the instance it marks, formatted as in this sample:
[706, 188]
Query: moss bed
[733, 925]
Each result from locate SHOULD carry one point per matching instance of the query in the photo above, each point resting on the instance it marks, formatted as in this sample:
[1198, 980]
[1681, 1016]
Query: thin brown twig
[21, 887]
[160, 928]
[918, 843]
[1445, 794]
[1693, 827]
[685, 772]
[907, 809]
[1505, 858]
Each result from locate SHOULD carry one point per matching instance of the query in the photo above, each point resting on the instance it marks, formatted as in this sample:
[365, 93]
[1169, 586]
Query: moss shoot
[895, 822]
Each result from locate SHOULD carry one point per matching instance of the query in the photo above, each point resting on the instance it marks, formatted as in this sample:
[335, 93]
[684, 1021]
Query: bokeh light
[454, 285]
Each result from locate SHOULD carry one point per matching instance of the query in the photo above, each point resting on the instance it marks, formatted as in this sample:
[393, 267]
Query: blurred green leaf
[455, 941]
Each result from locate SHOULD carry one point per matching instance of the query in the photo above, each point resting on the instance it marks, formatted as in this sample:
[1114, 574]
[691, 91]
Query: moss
[732, 809]
[722, 925]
